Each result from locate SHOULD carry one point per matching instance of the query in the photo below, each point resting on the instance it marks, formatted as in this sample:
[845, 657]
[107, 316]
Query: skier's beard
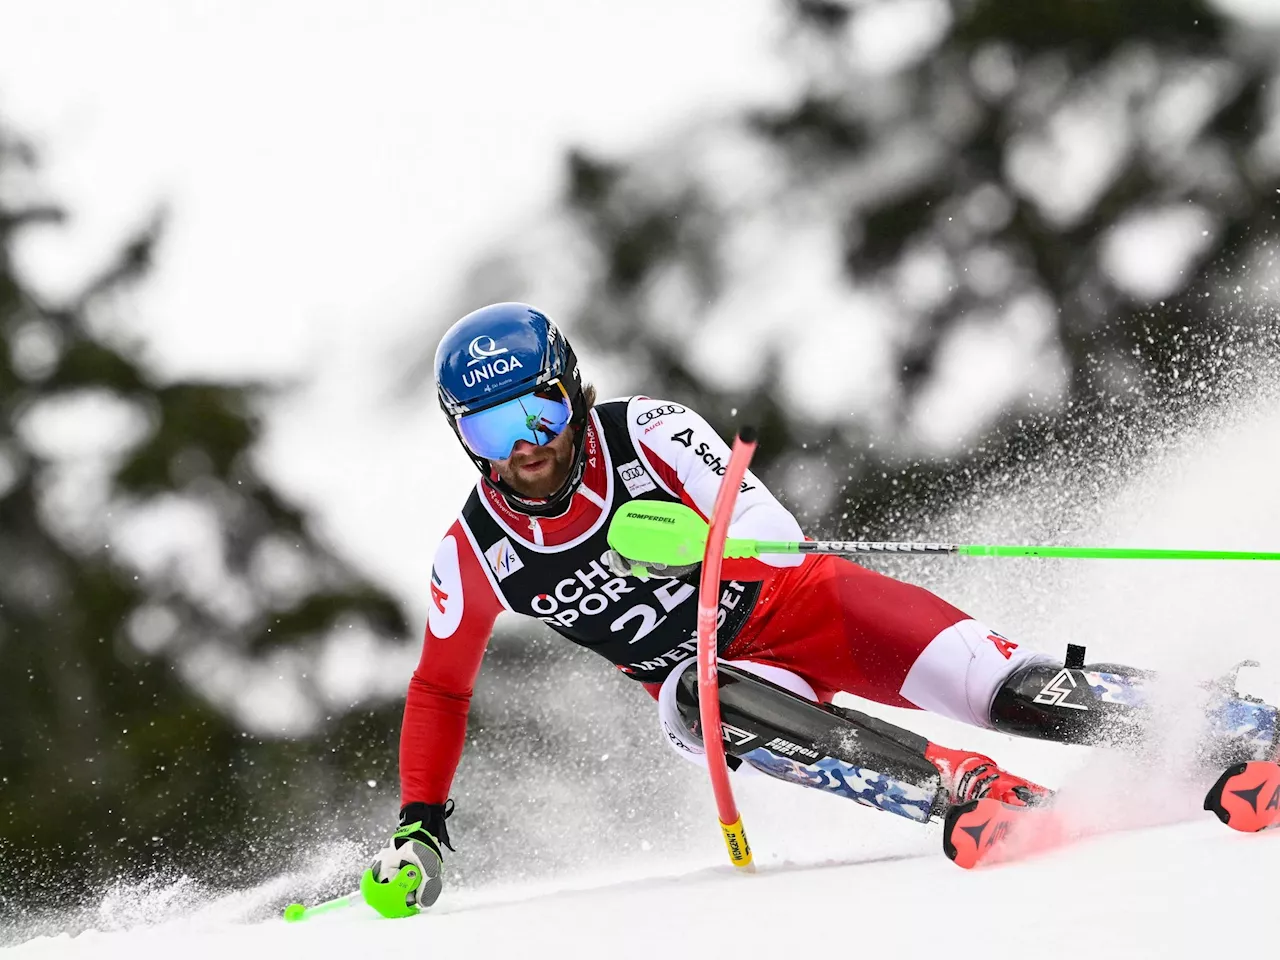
[538, 472]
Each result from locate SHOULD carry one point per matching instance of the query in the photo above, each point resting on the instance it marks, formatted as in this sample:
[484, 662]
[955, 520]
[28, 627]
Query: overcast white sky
[331, 167]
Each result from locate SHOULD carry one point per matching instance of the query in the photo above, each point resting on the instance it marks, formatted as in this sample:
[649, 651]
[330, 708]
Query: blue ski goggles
[538, 417]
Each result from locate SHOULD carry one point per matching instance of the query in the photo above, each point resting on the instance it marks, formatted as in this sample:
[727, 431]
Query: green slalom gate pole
[652, 531]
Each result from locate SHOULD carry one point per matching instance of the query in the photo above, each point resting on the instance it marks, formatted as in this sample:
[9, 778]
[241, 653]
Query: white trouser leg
[959, 673]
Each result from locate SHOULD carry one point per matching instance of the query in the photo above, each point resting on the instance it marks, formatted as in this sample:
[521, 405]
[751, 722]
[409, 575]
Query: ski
[987, 831]
[1247, 796]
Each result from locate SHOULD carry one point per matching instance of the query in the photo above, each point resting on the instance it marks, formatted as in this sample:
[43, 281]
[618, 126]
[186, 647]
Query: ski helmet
[506, 373]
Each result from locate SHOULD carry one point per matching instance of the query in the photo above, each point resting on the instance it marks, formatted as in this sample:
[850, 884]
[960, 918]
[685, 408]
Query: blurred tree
[149, 577]
[970, 228]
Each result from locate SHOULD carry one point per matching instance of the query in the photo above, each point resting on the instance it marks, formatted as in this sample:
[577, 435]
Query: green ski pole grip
[391, 899]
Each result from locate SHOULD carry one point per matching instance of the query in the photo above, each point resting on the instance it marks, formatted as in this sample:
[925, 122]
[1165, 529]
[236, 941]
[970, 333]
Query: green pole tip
[294, 912]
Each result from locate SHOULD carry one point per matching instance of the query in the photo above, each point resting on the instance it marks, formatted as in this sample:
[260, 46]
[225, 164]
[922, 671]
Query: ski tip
[978, 832]
[1247, 796]
[963, 829]
[1213, 799]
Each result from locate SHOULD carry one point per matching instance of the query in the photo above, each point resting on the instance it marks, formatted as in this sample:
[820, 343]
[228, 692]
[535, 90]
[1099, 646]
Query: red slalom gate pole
[735, 837]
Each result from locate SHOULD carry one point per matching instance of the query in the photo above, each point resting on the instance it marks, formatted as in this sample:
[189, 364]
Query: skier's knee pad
[959, 671]
[679, 734]
[678, 708]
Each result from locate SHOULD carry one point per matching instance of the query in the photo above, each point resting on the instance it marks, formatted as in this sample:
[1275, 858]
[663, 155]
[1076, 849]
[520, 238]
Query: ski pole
[295, 912]
[672, 533]
[389, 897]
[753, 548]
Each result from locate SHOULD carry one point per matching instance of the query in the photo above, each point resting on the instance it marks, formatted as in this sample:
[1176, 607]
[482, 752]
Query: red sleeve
[460, 620]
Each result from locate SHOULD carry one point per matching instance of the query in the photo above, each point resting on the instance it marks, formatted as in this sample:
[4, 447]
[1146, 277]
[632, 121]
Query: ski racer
[555, 466]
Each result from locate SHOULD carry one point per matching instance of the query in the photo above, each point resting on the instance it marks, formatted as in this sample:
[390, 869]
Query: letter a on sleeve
[447, 598]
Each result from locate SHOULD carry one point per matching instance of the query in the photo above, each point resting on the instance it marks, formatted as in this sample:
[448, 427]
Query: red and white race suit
[838, 626]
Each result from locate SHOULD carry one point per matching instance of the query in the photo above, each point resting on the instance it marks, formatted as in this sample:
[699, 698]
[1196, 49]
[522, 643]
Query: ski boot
[972, 776]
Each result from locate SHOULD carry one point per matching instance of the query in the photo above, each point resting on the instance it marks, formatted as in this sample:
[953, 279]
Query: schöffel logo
[482, 349]
[666, 410]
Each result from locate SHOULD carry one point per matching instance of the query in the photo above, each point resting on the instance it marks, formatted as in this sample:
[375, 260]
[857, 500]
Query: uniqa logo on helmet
[488, 360]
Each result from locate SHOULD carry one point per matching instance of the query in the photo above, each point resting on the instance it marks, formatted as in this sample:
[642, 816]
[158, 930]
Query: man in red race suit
[555, 466]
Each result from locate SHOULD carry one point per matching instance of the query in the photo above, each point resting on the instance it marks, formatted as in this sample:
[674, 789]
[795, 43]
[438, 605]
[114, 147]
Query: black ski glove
[425, 823]
[418, 841]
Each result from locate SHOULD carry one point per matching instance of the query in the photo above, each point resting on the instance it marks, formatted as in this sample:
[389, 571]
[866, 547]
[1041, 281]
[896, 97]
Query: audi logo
[657, 413]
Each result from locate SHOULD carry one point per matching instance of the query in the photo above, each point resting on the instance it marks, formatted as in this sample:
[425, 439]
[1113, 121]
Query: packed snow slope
[844, 880]
[1182, 891]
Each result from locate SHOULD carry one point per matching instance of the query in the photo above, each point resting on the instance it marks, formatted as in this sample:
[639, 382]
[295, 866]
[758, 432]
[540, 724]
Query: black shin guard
[1107, 704]
[818, 745]
[1073, 702]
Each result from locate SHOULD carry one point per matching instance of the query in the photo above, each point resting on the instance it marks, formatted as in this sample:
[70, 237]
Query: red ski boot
[972, 776]
[985, 812]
